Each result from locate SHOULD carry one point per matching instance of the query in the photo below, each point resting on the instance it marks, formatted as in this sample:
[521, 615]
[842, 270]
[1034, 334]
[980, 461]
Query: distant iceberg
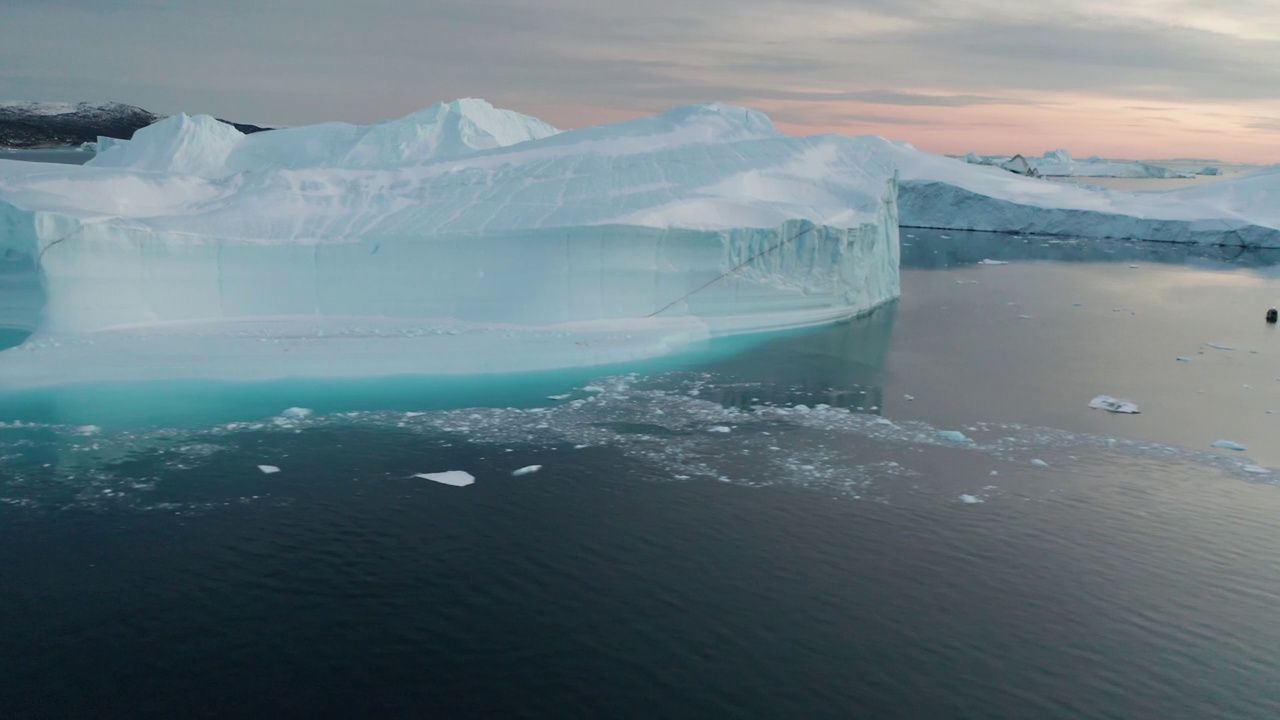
[461, 239]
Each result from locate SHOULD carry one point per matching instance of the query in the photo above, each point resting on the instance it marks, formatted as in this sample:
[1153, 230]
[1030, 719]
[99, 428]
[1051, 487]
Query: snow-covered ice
[1114, 405]
[463, 239]
[268, 469]
[526, 470]
[456, 478]
[467, 239]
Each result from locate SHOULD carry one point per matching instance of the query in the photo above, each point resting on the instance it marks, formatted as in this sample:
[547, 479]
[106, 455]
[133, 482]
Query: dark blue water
[775, 531]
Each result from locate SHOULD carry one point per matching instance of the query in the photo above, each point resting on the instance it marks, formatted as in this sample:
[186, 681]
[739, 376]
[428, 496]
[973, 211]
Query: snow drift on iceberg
[461, 239]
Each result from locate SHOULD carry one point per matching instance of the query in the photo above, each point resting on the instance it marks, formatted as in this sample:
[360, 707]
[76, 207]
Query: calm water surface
[777, 531]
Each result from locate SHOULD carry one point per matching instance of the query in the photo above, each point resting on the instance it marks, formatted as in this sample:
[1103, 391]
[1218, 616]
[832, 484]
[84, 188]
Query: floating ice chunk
[1114, 405]
[954, 436]
[1255, 469]
[1216, 346]
[268, 469]
[908, 397]
[88, 430]
[989, 261]
[971, 499]
[296, 413]
[1183, 359]
[1133, 266]
[565, 396]
[1039, 463]
[593, 388]
[966, 282]
[526, 470]
[456, 478]
[1024, 317]
[1229, 445]
[718, 429]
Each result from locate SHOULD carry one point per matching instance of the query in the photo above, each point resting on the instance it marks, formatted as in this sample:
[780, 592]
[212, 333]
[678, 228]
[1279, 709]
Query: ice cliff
[460, 239]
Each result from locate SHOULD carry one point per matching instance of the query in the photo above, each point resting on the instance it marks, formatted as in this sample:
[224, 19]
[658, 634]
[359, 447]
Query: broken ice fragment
[718, 429]
[268, 469]
[565, 396]
[1110, 404]
[1216, 346]
[1229, 445]
[527, 470]
[1039, 463]
[992, 262]
[296, 413]
[970, 499]
[456, 478]
[954, 436]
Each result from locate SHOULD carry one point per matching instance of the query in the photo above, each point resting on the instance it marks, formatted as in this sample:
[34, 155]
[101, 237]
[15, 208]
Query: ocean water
[788, 527]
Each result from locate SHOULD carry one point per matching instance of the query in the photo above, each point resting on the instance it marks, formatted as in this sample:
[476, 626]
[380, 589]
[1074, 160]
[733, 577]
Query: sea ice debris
[1039, 463]
[989, 261]
[970, 499]
[296, 413]
[1114, 405]
[456, 478]
[1217, 346]
[268, 469]
[526, 470]
[1229, 445]
[954, 436]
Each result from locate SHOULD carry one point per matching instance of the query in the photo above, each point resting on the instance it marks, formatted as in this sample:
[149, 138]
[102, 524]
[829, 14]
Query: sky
[1119, 78]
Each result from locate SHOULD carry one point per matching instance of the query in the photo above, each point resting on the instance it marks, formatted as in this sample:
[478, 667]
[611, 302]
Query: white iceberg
[461, 240]
[456, 478]
[1114, 405]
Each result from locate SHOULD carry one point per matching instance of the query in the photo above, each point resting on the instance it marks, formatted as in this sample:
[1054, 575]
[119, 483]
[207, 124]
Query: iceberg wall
[462, 239]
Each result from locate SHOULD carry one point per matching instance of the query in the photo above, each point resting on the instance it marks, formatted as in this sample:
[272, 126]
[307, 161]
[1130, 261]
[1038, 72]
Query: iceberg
[463, 239]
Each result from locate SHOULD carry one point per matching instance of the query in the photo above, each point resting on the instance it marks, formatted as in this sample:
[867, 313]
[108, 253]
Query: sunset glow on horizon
[1144, 79]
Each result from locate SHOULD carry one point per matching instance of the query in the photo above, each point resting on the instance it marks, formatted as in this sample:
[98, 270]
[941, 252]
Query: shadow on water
[836, 364]
[940, 249]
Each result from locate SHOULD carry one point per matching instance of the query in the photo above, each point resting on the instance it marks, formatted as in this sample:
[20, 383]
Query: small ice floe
[88, 430]
[719, 428]
[945, 237]
[565, 396]
[971, 499]
[954, 436]
[1024, 317]
[1217, 346]
[526, 470]
[908, 397]
[1183, 359]
[296, 413]
[268, 469]
[1114, 405]
[1255, 470]
[456, 478]
[1134, 266]
[966, 282]
[1039, 463]
[989, 261]
[593, 388]
[1229, 445]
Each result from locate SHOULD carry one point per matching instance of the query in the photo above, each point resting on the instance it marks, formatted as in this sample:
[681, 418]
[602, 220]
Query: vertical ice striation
[459, 239]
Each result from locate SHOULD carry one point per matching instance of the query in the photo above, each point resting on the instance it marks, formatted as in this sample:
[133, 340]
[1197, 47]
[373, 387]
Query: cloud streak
[912, 68]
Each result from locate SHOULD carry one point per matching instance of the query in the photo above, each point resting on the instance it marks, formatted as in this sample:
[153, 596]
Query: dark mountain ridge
[25, 126]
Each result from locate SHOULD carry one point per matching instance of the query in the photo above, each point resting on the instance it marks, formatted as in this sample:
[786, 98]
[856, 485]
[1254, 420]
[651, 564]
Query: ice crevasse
[461, 239]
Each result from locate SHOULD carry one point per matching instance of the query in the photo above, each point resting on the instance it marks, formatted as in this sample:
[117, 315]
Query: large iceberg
[461, 239]
[950, 194]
